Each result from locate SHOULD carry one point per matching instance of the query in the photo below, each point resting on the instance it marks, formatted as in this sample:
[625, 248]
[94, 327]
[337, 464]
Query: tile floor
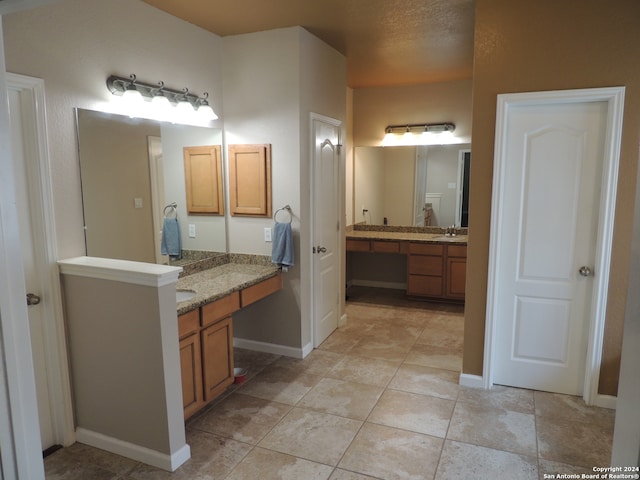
[378, 400]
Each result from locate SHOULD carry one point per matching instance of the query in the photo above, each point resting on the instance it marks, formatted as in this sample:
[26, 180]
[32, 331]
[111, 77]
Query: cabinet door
[203, 179]
[191, 371]
[217, 357]
[250, 180]
[456, 277]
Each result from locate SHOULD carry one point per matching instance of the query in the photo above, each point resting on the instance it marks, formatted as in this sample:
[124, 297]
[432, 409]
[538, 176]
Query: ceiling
[386, 42]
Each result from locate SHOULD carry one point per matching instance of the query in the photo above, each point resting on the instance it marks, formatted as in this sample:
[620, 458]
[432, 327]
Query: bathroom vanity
[205, 325]
[139, 335]
[432, 264]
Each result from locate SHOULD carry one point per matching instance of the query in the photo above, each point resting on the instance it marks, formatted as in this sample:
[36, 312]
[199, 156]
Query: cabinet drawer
[457, 251]
[426, 248]
[385, 247]
[188, 323]
[424, 286]
[358, 245]
[425, 265]
[220, 308]
[261, 290]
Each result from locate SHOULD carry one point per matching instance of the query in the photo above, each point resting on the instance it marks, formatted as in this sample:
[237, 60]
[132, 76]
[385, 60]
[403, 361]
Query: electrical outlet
[267, 234]
[137, 202]
[192, 230]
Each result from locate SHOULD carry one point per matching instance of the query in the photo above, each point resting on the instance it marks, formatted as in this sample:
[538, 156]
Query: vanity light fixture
[421, 128]
[160, 94]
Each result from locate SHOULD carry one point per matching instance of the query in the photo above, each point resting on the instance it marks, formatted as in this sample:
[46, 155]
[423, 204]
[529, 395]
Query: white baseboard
[373, 283]
[473, 381]
[605, 401]
[272, 348]
[145, 455]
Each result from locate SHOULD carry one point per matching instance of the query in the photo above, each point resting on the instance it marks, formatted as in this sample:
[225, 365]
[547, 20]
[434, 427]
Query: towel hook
[286, 208]
[172, 207]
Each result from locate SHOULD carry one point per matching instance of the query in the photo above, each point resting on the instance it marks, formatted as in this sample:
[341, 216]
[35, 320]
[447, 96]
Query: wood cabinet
[190, 362]
[456, 271]
[437, 271]
[425, 269]
[217, 357]
[250, 180]
[203, 180]
[206, 344]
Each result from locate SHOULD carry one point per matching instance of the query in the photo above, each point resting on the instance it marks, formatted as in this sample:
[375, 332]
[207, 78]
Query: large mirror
[132, 169]
[425, 185]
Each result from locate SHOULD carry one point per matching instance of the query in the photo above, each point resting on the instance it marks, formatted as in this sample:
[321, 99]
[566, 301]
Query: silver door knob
[320, 249]
[585, 271]
[32, 299]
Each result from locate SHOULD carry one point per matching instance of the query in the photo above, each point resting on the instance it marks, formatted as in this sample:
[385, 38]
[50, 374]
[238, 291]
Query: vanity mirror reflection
[131, 169]
[424, 185]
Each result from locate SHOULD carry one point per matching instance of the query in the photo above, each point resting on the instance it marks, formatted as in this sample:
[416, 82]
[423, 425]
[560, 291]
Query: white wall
[74, 46]
[272, 82]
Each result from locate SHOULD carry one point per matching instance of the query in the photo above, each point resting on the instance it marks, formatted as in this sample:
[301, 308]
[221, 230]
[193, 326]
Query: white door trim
[614, 96]
[41, 204]
[339, 232]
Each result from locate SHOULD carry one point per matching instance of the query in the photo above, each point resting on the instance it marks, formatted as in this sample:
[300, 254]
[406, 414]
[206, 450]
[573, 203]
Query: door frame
[614, 97]
[40, 194]
[313, 204]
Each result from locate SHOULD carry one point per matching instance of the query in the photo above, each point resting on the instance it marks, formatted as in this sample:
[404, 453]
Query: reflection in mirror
[412, 185]
[130, 169]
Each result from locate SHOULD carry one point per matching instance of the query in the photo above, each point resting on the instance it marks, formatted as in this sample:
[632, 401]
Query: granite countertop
[215, 283]
[406, 236]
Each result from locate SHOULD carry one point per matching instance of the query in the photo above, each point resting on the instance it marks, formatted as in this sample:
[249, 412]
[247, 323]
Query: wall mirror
[131, 169]
[412, 185]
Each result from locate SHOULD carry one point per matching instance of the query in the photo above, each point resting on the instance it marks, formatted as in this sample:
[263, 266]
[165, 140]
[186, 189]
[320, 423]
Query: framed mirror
[131, 169]
[412, 185]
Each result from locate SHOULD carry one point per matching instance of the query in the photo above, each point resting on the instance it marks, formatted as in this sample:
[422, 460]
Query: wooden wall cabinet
[250, 180]
[203, 180]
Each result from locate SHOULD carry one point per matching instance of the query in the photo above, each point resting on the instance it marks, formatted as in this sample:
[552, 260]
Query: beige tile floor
[378, 400]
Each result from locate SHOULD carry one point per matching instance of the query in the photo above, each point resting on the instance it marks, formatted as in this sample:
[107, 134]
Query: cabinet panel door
[456, 277]
[217, 357]
[250, 180]
[203, 179]
[191, 371]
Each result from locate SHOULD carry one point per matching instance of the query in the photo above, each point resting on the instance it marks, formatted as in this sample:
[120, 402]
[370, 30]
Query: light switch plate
[192, 230]
[267, 234]
[137, 202]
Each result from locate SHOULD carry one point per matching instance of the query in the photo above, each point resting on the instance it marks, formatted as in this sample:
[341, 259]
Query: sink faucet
[450, 231]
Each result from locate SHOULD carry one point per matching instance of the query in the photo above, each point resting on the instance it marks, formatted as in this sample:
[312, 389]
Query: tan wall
[376, 108]
[550, 45]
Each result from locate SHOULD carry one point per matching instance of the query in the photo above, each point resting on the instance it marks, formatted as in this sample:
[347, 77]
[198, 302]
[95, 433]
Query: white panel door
[550, 212]
[32, 274]
[326, 244]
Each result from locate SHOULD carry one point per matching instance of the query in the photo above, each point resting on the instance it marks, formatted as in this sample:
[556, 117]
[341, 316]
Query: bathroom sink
[184, 295]
[444, 238]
